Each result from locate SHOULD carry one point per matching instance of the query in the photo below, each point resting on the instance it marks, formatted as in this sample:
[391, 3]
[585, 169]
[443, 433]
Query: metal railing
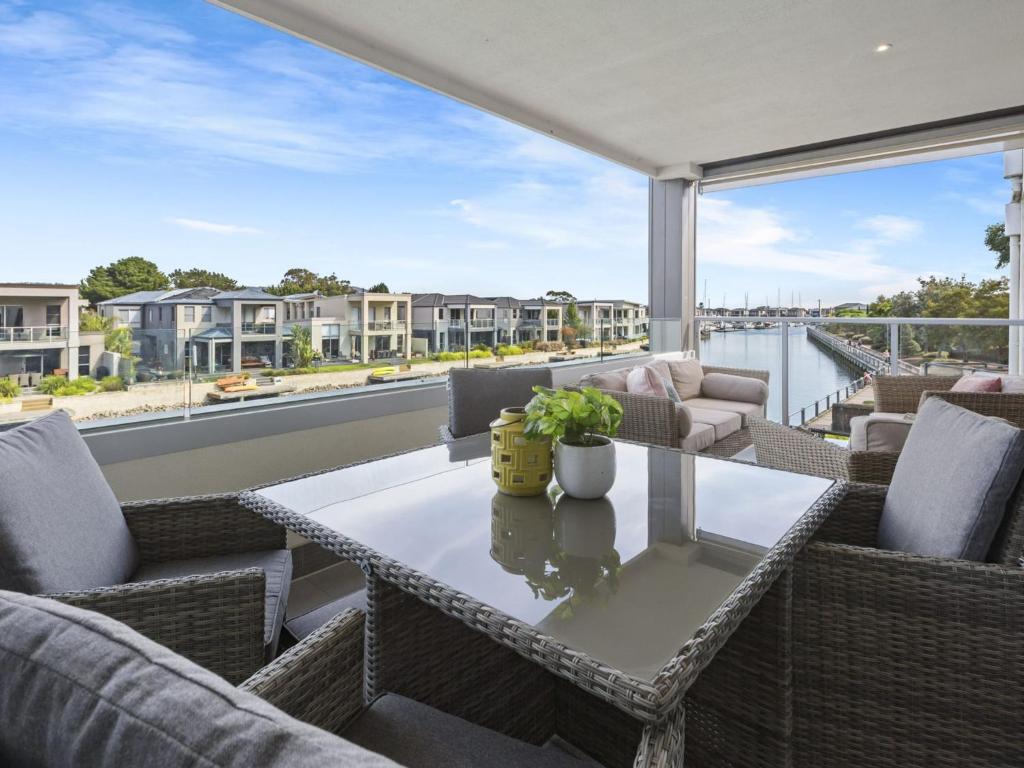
[530, 321]
[381, 325]
[892, 325]
[33, 333]
[263, 329]
[823, 404]
[481, 322]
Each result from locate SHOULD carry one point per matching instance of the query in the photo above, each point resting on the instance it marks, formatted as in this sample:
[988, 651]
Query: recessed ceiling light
[882, 47]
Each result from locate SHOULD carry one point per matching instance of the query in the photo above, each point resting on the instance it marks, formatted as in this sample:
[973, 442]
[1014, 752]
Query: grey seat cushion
[477, 395]
[880, 431]
[418, 736]
[276, 563]
[701, 436]
[732, 406]
[61, 528]
[306, 624]
[951, 485]
[724, 422]
[78, 688]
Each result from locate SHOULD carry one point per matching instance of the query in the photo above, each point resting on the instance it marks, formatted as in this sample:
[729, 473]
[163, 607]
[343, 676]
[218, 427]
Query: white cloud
[47, 35]
[892, 228]
[215, 228]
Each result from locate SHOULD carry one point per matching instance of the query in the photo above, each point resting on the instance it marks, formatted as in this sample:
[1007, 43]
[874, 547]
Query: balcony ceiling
[668, 86]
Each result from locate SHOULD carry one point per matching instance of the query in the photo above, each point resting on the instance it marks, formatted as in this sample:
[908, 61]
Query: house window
[160, 314]
[53, 314]
[151, 314]
[207, 311]
[318, 311]
[83, 361]
[190, 314]
[11, 316]
[440, 313]
[122, 316]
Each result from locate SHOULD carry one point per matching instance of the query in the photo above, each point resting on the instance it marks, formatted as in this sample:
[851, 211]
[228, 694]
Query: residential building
[612, 319]
[850, 306]
[39, 332]
[214, 331]
[541, 320]
[359, 326]
[443, 321]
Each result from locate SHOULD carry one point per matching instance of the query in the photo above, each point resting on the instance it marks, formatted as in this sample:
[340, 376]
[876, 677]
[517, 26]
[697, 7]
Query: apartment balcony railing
[874, 361]
[37, 333]
[261, 329]
[531, 321]
[553, 322]
[385, 325]
[481, 322]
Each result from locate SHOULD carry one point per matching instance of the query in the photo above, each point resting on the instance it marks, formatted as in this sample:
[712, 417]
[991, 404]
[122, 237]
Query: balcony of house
[259, 328]
[34, 335]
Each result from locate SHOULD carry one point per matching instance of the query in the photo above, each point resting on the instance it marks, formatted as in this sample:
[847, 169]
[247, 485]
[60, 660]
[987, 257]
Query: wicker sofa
[702, 423]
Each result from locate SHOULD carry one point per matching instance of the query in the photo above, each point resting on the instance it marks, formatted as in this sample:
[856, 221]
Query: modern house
[214, 331]
[361, 326]
[446, 321]
[614, 319]
[39, 332]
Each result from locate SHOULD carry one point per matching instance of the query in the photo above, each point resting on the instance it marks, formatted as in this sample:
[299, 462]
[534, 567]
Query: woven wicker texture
[320, 680]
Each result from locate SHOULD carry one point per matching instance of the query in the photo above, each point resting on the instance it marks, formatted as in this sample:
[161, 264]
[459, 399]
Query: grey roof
[247, 294]
[138, 297]
[214, 333]
[505, 301]
[443, 299]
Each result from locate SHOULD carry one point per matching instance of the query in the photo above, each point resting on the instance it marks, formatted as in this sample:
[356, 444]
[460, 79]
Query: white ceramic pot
[586, 472]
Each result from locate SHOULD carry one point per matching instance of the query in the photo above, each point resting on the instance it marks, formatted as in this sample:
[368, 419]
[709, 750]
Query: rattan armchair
[216, 620]
[903, 660]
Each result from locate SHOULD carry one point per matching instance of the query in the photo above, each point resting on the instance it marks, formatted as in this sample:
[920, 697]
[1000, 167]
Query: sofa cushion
[477, 395]
[1013, 384]
[661, 368]
[61, 528]
[880, 431]
[732, 406]
[727, 386]
[420, 736]
[614, 381]
[645, 381]
[951, 485]
[701, 436]
[78, 688]
[724, 422]
[978, 383]
[686, 375]
[276, 564]
[684, 419]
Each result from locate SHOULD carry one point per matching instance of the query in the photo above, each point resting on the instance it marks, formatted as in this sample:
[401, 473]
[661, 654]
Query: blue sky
[193, 137]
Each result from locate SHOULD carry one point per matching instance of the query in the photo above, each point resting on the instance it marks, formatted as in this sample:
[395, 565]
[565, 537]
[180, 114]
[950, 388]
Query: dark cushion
[276, 563]
[477, 395]
[78, 688]
[61, 528]
[952, 482]
[418, 736]
[308, 623]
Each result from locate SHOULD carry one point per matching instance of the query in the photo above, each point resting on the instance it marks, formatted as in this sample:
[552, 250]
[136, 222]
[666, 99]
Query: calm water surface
[813, 373]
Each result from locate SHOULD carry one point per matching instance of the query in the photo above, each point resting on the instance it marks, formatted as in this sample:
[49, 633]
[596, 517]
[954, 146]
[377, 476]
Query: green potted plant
[580, 424]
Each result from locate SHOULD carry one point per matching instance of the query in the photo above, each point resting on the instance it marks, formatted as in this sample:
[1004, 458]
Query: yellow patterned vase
[520, 467]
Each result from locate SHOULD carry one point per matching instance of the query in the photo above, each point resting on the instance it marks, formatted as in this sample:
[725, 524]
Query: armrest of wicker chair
[320, 680]
[894, 652]
[751, 373]
[445, 433]
[216, 620]
[875, 467]
[855, 520]
[901, 394]
[198, 526]
[647, 419]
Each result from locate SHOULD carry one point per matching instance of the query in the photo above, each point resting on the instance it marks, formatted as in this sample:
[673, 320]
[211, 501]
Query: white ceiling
[666, 86]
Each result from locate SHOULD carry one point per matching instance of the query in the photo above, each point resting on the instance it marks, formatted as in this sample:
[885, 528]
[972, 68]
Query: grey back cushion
[60, 526]
[477, 395]
[952, 482]
[78, 688]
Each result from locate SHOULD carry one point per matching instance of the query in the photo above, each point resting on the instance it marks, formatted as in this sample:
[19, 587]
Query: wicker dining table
[629, 626]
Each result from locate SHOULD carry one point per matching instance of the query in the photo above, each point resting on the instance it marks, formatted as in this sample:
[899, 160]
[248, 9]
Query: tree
[202, 278]
[300, 280]
[574, 321]
[90, 321]
[562, 297]
[997, 241]
[127, 275]
[302, 346]
[379, 288]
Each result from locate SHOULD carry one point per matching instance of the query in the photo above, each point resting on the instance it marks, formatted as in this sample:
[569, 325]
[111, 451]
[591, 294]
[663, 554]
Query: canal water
[813, 372]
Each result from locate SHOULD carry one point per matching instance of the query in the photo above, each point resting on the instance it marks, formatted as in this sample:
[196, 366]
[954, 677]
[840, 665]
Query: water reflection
[563, 547]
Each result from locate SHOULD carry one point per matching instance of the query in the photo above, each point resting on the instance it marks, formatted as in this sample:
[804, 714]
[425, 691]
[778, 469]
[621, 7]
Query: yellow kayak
[386, 370]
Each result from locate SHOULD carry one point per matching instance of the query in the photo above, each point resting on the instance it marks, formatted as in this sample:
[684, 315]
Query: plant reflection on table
[565, 551]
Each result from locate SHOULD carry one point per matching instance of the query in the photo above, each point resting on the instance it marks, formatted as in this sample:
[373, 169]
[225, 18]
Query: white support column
[1013, 169]
[672, 301]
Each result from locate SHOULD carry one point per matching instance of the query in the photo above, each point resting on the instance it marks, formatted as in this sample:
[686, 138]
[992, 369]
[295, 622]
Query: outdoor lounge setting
[358, 517]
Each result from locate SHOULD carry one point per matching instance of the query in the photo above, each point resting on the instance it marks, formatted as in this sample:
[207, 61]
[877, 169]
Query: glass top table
[680, 544]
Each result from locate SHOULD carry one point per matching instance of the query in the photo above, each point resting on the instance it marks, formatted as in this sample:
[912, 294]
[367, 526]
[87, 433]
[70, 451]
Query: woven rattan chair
[477, 395]
[215, 619]
[904, 660]
[796, 450]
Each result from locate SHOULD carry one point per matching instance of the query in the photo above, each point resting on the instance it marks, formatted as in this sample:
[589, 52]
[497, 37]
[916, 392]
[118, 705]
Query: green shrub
[574, 417]
[509, 350]
[481, 348]
[449, 357]
[61, 387]
[9, 389]
[112, 384]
